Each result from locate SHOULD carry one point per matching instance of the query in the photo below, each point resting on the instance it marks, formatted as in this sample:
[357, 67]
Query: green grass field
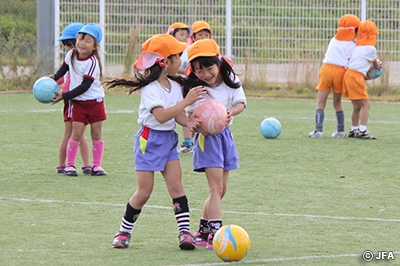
[288, 194]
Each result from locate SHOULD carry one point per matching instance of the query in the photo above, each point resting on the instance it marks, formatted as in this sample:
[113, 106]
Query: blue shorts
[154, 148]
[215, 151]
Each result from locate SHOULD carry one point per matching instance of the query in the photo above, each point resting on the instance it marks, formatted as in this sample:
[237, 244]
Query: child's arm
[163, 115]
[85, 85]
[60, 72]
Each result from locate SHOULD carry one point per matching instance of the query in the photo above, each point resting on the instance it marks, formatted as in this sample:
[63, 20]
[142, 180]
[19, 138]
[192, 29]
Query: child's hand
[58, 98]
[195, 94]
[228, 117]
[193, 122]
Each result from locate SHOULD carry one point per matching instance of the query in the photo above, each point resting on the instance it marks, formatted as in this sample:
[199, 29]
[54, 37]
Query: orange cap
[367, 33]
[347, 26]
[200, 25]
[178, 25]
[205, 47]
[159, 46]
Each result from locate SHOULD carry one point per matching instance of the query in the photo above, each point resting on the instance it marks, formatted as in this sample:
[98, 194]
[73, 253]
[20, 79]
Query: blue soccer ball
[270, 128]
[374, 73]
[45, 89]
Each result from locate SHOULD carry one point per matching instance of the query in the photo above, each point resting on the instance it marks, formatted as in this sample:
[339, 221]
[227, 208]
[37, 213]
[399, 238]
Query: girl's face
[174, 63]
[85, 44]
[203, 34]
[182, 35]
[209, 75]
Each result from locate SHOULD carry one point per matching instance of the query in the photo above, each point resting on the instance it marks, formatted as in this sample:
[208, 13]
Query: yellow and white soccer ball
[231, 243]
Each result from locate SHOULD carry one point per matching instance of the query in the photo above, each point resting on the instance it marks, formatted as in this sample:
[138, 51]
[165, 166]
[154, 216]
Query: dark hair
[140, 80]
[95, 53]
[228, 74]
[69, 42]
[178, 29]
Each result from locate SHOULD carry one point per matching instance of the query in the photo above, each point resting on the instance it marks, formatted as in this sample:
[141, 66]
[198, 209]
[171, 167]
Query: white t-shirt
[156, 95]
[362, 58]
[85, 68]
[228, 96]
[339, 52]
[184, 60]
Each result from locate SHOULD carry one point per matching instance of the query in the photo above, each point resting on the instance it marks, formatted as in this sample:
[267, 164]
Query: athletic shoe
[339, 134]
[121, 240]
[209, 242]
[186, 241]
[201, 239]
[98, 171]
[315, 135]
[86, 169]
[70, 171]
[187, 146]
[353, 133]
[61, 169]
[365, 135]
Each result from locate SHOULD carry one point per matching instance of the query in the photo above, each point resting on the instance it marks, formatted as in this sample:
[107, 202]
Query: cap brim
[146, 60]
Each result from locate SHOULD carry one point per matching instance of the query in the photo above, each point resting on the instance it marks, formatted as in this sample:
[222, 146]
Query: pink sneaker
[201, 239]
[209, 245]
[186, 241]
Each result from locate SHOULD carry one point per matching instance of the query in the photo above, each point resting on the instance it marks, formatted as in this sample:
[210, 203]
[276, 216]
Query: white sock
[363, 128]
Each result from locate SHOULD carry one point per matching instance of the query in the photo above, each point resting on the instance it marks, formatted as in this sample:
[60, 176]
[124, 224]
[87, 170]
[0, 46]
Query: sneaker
[315, 135]
[365, 135]
[209, 242]
[61, 169]
[70, 171]
[186, 147]
[121, 240]
[339, 134]
[98, 171]
[353, 133]
[201, 239]
[86, 169]
[186, 241]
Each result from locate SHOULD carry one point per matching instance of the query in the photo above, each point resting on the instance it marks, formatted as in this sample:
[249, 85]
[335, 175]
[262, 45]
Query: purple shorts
[215, 151]
[154, 148]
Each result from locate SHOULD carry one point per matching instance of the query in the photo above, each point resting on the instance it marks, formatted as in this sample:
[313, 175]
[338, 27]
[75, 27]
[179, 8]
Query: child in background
[182, 33]
[68, 39]
[215, 155]
[364, 57]
[161, 107]
[86, 95]
[331, 74]
[201, 30]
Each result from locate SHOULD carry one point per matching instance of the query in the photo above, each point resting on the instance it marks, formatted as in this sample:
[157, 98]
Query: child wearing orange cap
[331, 74]
[364, 57]
[182, 33]
[155, 148]
[216, 155]
[201, 30]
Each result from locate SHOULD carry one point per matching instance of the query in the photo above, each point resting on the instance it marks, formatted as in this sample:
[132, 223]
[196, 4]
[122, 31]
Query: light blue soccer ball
[270, 128]
[374, 73]
[44, 89]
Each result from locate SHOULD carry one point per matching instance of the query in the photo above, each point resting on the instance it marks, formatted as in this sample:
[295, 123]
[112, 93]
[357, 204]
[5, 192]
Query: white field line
[230, 212]
[316, 257]
[243, 115]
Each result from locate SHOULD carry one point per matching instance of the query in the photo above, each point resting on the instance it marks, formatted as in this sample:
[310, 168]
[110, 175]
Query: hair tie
[160, 62]
[219, 57]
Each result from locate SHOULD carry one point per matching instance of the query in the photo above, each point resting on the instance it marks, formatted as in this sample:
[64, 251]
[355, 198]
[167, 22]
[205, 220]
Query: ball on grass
[270, 128]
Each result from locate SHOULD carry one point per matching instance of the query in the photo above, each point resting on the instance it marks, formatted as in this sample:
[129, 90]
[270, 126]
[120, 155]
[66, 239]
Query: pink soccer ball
[212, 115]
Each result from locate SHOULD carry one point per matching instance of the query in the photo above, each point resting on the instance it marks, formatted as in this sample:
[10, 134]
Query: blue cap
[70, 31]
[93, 30]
